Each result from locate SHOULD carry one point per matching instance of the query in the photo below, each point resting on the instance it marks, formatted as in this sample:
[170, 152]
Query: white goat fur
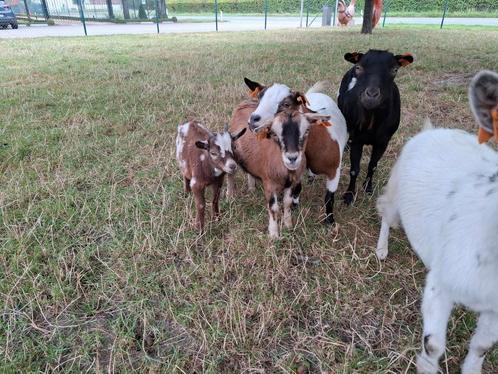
[444, 191]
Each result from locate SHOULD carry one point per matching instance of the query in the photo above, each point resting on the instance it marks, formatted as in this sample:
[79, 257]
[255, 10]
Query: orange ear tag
[494, 115]
[483, 135]
[324, 123]
[254, 94]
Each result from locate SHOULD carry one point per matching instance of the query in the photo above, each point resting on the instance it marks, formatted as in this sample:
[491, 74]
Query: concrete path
[231, 23]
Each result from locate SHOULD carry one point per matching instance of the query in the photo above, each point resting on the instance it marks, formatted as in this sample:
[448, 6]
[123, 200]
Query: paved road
[232, 23]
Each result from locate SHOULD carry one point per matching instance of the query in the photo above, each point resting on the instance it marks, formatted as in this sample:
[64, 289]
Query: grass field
[100, 267]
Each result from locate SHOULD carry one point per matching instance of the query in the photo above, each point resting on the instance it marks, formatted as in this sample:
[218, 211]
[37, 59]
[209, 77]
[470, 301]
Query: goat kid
[370, 102]
[444, 189]
[278, 161]
[204, 158]
[325, 143]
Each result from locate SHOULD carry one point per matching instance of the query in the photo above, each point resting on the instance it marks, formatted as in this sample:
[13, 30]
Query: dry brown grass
[101, 268]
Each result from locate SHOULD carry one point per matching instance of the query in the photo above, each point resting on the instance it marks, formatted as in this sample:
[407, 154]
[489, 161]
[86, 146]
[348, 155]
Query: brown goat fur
[204, 158]
[263, 159]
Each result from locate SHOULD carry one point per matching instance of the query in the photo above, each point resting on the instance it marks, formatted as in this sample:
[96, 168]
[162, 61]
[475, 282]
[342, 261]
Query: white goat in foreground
[444, 191]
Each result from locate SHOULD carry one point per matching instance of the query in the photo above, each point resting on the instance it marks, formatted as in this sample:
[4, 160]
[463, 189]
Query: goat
[370, 101]
[345, 13]
[278, 162]
[325, 144]
[204, 158]
[444, 190]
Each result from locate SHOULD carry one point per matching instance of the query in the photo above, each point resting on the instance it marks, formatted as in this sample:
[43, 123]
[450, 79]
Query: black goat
[370, 102]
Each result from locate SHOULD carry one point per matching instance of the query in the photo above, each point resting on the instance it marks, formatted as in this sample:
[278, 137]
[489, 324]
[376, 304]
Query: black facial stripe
[290, 135]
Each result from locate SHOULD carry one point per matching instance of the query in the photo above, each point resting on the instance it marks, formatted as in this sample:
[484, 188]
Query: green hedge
[315, 6]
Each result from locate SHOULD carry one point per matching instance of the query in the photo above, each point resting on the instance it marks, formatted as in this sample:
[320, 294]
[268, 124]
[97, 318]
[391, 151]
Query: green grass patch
[100, 267]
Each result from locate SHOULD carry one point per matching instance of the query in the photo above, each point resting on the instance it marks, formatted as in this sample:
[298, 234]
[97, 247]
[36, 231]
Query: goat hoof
[348, 197]
[381, 253]
[367, 186]
[329, 220]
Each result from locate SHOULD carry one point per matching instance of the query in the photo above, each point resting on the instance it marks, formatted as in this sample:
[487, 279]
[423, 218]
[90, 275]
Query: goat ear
[255, 87]
[301, 99]
[202, 144]
[404, 59]
[483, 97]
[353, 57]
[240, 133]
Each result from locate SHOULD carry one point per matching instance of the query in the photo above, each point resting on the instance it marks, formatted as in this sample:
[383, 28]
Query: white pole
[335, 11]
[301, 14]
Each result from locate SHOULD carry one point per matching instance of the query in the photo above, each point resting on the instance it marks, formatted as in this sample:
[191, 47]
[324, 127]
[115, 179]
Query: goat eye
[358, 68]
[213, 154]
[395, 70]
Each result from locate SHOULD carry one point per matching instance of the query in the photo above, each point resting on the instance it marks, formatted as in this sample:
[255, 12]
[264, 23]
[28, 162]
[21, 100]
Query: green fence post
[266, 13]
[444, 13]
[27, 10]
[45, 9]
[385, 13]
[82, 15]
[335, 11]
[216, 13]
[307, 11]
[157, 15]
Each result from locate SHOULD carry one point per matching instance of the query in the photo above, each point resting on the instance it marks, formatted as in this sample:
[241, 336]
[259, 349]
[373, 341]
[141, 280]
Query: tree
[367, 17]
[126, 9]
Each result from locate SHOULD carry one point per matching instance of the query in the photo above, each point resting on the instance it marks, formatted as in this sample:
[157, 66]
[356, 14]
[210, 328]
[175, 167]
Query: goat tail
[427, 125]
[320, 87]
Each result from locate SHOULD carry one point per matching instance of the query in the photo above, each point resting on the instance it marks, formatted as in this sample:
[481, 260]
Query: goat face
[272, 100]
[219, 147]
[483, 96]
[290, 130]
[373, 75]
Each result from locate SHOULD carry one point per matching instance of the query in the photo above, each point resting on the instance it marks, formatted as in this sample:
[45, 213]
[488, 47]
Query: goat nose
[255, 118]
[292, 159]
[372, 92]
[233, 166]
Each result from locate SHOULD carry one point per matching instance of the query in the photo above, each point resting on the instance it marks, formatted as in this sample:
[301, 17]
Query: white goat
[444, 191]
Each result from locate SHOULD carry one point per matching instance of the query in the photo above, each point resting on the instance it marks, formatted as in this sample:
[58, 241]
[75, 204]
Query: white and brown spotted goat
[204, 158]
[279, 161]
[325, 143]
[444, 190]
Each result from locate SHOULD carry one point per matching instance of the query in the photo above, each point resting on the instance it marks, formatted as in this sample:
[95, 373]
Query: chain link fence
[286, 13]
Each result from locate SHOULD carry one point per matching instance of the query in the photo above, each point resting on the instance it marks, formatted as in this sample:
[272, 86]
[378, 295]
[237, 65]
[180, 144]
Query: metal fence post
[307, 11]
[335, 12]
[385, 13]
[266, 13]
[444, 13]
[27, 10]
[301, 14]
[45, 9]
[157, 15]
[82, 15]
[216, 13]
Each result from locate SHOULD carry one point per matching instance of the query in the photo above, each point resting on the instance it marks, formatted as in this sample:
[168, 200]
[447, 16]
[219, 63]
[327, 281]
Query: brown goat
[279, 162]
[325, 144]
[204, 158]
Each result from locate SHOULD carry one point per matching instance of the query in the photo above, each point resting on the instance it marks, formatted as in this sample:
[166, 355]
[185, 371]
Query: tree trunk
[367, 17]
[126, 9]
[110, 11]
[162, 9]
